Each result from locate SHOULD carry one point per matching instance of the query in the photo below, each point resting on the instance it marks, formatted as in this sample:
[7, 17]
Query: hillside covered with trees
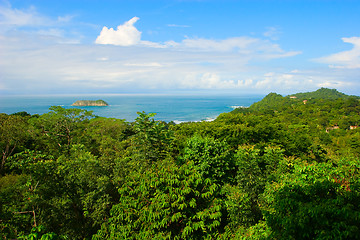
[284, 168]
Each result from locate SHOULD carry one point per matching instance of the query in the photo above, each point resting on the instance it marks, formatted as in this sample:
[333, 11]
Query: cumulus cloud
[346, 59]
[125, 34]
[245, 83]
[42, 63]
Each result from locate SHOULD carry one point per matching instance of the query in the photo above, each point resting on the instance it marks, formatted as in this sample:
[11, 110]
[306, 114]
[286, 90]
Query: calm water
[168, 108]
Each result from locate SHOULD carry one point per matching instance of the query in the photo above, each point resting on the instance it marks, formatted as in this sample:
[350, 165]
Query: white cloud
[245, 83]
[41, 55]
[346, 59]
[209, 80]
[45, 66]
[125, 35]
[128, 35]
[37, 60]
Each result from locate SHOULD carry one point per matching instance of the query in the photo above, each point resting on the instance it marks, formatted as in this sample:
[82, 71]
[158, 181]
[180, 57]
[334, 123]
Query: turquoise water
[168, 108]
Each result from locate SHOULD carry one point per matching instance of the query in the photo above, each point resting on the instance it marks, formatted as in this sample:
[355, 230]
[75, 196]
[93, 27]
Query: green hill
[322, 93]
[274, 101]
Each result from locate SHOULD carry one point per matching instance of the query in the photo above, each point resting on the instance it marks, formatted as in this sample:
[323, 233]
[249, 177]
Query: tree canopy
[280, 169]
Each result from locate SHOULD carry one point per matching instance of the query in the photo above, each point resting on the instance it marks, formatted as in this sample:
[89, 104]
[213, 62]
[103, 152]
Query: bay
[177, 108]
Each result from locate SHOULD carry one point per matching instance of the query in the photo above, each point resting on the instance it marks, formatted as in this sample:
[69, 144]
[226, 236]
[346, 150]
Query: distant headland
[84, 103]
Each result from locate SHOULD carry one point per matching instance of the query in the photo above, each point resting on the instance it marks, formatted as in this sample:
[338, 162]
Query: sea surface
[177, 108]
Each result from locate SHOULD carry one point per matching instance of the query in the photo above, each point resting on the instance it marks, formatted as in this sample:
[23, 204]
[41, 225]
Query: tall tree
[60, 127]
[13, 133]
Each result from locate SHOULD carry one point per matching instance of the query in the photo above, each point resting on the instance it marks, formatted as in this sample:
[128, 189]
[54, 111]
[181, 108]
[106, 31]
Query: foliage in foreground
[282, 169]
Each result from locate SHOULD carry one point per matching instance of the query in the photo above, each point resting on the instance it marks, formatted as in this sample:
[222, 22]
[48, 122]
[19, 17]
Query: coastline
[167, 108]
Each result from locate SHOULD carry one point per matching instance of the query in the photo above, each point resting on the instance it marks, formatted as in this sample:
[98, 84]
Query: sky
[179, 46]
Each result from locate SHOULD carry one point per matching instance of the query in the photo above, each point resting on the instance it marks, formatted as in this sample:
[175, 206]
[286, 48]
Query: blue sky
[184, 46]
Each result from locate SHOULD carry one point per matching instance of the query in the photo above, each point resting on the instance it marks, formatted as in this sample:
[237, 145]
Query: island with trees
[84, 103]
[279, 169]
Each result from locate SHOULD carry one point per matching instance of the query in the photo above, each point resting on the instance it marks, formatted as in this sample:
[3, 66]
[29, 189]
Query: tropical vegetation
[284, 168]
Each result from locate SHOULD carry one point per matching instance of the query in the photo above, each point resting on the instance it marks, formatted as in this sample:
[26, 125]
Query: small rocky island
[85, 103]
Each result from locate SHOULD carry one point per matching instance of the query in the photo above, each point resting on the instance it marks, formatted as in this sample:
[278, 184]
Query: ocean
[177, 108]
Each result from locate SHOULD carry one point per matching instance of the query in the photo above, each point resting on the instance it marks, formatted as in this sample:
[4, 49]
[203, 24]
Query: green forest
[287, 167]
